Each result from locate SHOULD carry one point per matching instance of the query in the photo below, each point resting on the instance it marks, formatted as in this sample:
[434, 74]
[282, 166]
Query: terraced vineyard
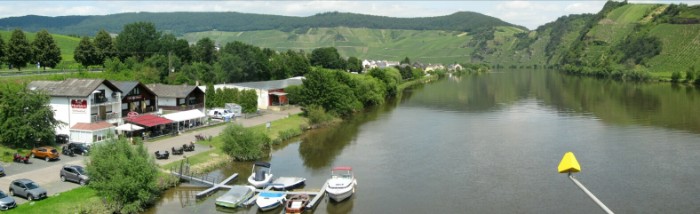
[425, 46]
[681, 48]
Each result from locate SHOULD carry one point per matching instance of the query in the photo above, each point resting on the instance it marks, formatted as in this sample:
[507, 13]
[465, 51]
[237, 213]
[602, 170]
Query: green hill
[179, 23]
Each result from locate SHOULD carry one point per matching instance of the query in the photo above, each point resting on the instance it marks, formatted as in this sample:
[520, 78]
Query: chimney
[196, 83]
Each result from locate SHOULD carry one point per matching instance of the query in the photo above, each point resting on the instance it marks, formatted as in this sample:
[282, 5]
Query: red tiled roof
[91, 126]
[148, 120]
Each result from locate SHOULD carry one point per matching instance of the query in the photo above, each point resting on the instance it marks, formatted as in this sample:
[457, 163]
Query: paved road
[46, 174]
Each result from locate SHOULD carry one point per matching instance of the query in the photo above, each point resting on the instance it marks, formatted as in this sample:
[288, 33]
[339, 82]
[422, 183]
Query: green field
[67, 45]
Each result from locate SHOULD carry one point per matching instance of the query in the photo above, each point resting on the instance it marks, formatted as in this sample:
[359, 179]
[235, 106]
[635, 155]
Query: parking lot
[46, 174]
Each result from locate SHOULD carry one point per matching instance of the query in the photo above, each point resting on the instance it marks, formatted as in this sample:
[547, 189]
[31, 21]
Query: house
[433, 67]
[454, 67]
[178, 97]
[136, 97]
[271, 94]
[88, 108]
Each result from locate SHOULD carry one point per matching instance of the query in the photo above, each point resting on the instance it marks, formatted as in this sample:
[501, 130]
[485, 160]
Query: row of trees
[19, 51]
[166, 59]
[248, 99]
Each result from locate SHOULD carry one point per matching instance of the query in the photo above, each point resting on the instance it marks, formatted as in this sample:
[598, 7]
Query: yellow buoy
[569, 164]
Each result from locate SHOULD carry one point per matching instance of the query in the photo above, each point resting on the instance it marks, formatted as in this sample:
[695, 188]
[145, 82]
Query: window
[135, 91]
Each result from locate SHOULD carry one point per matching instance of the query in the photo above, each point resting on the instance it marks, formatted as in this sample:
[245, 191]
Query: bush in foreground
[125, 176]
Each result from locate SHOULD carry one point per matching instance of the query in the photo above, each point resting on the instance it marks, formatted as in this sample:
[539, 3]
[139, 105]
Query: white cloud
[584, 7]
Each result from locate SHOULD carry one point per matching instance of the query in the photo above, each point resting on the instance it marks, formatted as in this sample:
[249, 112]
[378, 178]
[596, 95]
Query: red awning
[148, 120]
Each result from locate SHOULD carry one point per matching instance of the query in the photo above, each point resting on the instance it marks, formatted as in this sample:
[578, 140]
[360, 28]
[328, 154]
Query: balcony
[107, 116]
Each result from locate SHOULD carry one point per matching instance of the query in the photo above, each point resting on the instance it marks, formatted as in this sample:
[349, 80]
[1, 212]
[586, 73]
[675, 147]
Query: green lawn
[81, 198]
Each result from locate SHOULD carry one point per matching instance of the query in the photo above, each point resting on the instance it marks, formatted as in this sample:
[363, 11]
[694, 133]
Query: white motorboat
[270, 200]
[287, 183]
[235, 196]
[261, 175]
[342, 183]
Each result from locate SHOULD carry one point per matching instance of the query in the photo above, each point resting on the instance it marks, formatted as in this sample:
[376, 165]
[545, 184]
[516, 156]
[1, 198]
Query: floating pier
[215, 186]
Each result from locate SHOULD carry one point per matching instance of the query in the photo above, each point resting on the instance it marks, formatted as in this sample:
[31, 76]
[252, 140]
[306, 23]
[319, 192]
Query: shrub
[287, 134]
[243, 144]
[689, 76]
[317, 115]
[675, 76]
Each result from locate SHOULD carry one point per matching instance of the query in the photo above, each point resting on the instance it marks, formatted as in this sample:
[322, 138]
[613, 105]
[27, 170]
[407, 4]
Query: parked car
[74, 173]
[27, 188]
[6, 202]
[62, 138]
[219, 113]
[77, 148]
[46, 152]
[2, 171]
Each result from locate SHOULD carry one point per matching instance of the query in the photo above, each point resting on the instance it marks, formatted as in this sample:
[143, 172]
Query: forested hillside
[179, 23]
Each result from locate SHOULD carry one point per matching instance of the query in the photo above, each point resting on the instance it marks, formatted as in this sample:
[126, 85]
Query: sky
[530, 14]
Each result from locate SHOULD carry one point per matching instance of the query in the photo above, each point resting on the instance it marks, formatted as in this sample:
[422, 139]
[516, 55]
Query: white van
[219, 113]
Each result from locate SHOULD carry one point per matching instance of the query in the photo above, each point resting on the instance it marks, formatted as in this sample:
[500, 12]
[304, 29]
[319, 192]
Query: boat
[269, 200]
[296, 204]
[287, 183]
[342, 183]
[235, 196]
[261, 175]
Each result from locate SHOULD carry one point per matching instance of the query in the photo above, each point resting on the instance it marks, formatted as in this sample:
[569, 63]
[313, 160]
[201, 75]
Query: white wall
[64, 112]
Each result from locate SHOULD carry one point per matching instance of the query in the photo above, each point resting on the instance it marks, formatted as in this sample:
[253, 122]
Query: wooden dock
[214, 187]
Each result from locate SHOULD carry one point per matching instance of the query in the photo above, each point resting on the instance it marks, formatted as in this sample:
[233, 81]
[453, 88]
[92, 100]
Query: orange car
[46, 152]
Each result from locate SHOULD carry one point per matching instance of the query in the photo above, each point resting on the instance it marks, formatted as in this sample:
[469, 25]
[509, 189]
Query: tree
[209, 96]
[243, 144]
[248, 100]
[170, 45]
[2, 52]
[19, 52]
[205, 51]
[406, 61]
[354, 64]
[123, 175]
[86, 54]
[26, 118]
[327, 58]
[104, 45]
[46, 52]
[138, 39]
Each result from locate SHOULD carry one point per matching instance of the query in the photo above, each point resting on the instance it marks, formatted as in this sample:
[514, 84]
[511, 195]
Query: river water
[491, 143]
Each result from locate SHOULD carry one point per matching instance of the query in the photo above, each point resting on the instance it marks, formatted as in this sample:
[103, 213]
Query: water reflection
[319, 147]
[614, 102]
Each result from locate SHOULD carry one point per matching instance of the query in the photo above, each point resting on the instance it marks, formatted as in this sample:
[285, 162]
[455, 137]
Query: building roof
[172, 90]
[70, 87]
[268, 85]
[127, 86]
[91, 126]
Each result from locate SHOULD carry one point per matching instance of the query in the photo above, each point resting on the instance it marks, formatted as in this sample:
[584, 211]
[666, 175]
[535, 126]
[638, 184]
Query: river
[491, 143]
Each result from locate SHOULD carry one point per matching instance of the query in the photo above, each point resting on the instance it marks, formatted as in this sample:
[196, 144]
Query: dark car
[6, 202]
[27, 188]
[2, 171]
[77, 148]
[62, 138]
[74, 173]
